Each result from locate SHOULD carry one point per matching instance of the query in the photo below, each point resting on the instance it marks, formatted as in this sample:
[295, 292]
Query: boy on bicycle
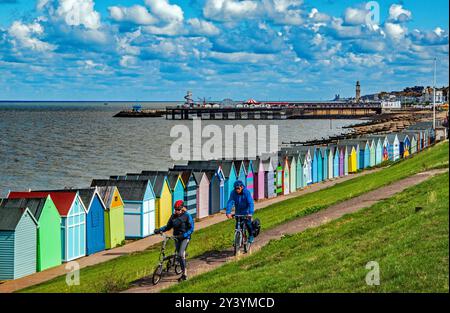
[242, 201]
[183, 227]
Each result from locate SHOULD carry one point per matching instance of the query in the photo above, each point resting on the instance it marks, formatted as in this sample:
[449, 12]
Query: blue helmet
[238, 183]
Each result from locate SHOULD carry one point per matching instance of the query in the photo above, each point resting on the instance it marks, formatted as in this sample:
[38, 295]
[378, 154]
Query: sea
[54, 145]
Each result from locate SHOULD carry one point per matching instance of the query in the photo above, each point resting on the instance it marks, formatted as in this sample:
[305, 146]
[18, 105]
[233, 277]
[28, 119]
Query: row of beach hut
[42, 229]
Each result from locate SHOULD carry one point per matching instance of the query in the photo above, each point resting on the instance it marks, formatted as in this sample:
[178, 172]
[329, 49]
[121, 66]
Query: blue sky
[262, 49]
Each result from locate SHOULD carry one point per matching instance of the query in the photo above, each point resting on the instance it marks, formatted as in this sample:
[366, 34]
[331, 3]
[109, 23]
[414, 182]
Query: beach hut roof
[172, 178]
[256, 165]
[267, 164]
[157, 182]
[402, 136]
[63, 200]
[185, 176]
[11, 216]
[227, 165]
[199, 176]
[35, 205]
[106, 193]
[132, 190]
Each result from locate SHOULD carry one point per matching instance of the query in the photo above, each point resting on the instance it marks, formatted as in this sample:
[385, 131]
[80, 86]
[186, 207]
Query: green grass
[116, 274]
[411, 248]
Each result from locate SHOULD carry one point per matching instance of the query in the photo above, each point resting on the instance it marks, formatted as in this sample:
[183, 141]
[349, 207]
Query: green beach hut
[114, 216]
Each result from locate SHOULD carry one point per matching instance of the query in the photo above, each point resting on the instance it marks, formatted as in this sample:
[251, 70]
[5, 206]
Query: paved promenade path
[212, 260]
[142, 244]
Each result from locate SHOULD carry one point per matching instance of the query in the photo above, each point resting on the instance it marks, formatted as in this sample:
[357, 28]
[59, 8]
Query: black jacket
[183, 225]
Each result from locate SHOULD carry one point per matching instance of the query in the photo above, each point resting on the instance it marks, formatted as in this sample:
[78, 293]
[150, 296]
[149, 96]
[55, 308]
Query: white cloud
[24, 35]
[317, 16]
[241, 57]
[201, 27]
[228, 10]
[136, 14]
[166, 11]
[354, 16]
[398, 14]
[78, 12]
[395, 31]
[128, 61]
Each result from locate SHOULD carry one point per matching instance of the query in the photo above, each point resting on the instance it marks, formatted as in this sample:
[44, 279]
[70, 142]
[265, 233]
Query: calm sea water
[56, 145]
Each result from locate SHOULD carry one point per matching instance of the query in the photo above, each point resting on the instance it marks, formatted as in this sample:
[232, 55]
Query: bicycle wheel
[237, 243]
[178, 269]
[157, 274]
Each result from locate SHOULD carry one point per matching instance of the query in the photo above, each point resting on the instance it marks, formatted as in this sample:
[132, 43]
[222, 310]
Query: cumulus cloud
[241, 57]
[27, 36]
[395, 31]
[135, 14]
[355, 16]
[72, 12]
[398, 14]
[201, 27]
[279, 11]
[166, 11]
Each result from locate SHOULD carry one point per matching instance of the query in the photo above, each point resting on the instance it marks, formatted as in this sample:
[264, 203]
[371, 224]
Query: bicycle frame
[241, 227]
[162, 254]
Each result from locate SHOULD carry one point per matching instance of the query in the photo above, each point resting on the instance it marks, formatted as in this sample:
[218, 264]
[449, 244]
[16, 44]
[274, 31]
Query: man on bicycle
[242, 201]
[183, 227]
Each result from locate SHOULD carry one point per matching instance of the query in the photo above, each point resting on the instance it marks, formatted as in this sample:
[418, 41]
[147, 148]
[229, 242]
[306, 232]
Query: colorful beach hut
[190, 194]
[278, 179]
[95, 220]
[336, 159]
[241, 170]
[202, 194]
[73, 220]
[164, 202]
[177, 187]
[250, 178]
[18, 241]
[139, 201]
[331, 150]
[324, 154]
[373, 152]
[286, 175]
[292, 163]
[113, 215]
[393, 147]
[314, 165]
[352, 158]
[405, 145]
[230, 174]
[307, 165]
[259, 179]
[269, 179]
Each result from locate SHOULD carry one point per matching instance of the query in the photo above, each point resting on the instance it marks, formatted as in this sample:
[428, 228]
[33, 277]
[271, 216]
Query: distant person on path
[242, 201]
[183, 227]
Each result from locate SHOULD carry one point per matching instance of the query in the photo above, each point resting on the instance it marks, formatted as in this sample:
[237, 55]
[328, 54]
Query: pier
[277, 111]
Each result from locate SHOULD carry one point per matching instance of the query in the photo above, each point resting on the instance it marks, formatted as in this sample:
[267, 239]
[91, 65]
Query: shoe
[251, 239]
[182, 278]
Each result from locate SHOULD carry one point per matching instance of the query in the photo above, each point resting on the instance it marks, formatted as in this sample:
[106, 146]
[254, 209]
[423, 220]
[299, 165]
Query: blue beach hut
[190, 195]
[18, 242]
[229, 172]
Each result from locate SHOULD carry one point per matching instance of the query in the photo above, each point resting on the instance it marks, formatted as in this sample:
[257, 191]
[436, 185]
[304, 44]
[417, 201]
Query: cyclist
[242, 201]
[183, 227]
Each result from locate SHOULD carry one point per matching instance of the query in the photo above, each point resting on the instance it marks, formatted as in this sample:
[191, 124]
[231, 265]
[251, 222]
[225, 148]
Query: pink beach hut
[258, 179]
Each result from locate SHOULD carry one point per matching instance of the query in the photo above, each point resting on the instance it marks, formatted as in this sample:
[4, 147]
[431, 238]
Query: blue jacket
[243, 203]
[183, 225]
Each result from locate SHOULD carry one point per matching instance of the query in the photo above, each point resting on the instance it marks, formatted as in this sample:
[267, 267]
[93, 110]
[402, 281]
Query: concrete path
[212, 260]
[142, 244]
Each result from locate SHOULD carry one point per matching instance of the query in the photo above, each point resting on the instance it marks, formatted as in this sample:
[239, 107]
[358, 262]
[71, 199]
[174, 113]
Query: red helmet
[178, 204]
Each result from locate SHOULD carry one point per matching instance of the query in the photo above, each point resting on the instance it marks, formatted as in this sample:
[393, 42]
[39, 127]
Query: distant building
[391, 105]
[358, 92]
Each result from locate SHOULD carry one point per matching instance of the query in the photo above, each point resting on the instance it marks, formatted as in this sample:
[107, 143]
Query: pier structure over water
[276, 111]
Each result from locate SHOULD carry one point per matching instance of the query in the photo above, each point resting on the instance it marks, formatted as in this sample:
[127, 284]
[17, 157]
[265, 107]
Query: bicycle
[172, 260]
[240, 235]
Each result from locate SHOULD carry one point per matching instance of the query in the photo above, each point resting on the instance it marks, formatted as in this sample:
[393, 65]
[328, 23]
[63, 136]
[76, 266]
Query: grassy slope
[411, 249]
[118, 273]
